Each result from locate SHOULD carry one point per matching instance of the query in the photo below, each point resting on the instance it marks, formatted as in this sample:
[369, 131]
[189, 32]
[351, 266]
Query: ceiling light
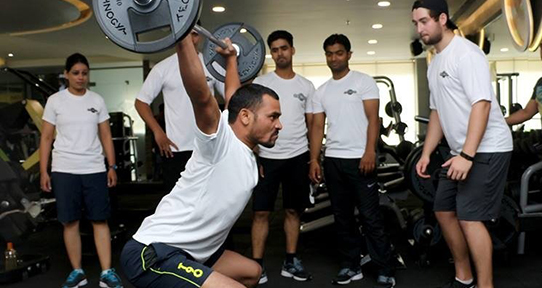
[10, 55]
[372, 41]
[219, 9]
[267, 56]
[377, 26]
[243, 30]
[384, 3]
[371, 52]
[504, 50]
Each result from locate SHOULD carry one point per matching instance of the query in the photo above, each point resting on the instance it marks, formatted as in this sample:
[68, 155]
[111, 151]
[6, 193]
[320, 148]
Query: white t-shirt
[342, 101]
[180, 119]
[459, 77]
[198, 213]
[295, 97]
[77, 148]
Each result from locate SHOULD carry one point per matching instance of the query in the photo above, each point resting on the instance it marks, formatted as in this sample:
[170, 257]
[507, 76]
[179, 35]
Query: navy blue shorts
[159, 265]
[76, 193]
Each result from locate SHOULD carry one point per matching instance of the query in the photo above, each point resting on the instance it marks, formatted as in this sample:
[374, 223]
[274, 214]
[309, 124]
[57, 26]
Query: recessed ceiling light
[372, 41]
[243, 30]
[219, 9]
[106, 37]
[267, 56]
[384, 3]
[504, 50]
[10, 55]
[377, 26]
[371, 52]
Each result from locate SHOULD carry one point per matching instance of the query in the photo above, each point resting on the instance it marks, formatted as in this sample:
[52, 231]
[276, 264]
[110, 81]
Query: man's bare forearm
[434, 134]
[145, 112]
[316, 136]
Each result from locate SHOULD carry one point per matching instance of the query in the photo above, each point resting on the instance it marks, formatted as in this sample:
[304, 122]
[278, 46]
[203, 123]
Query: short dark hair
[74, 59]
[280, 34]
[249, 97]
[337, 39]
[435, 9]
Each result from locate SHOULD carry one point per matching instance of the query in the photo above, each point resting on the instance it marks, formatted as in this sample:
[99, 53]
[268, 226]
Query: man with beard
[287, 162]
[180, 245]
[350, 101]
[465, 111]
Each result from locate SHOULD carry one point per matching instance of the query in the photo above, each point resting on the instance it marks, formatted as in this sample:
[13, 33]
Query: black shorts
[172, 168]
[159, 265]
[293, 173]
[76, 193]
[479, 197]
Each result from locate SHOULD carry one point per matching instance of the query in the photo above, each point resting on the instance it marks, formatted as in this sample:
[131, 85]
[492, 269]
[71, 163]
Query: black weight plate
[125, 23]
[250, 58]
[425, 188]
[425, 233]
[503, 230]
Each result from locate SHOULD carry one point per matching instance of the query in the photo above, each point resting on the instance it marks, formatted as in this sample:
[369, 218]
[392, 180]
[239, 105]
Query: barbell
[149, 26]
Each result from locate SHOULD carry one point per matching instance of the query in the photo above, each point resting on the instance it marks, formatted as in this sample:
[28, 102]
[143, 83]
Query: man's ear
[245, 116]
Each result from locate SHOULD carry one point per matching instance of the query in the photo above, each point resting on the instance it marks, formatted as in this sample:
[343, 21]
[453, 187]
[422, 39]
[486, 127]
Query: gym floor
[315, 248]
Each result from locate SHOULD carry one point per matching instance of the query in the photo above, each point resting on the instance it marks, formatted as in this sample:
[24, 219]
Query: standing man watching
[287, 162]
[350, 101]
[181, 244]
[533, 107]
[177, 142]
[465, 111]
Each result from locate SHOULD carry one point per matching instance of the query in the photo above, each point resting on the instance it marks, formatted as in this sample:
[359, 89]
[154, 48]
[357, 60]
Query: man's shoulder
[167, 63]
[357, 75]
[265, 78]
[304, 81]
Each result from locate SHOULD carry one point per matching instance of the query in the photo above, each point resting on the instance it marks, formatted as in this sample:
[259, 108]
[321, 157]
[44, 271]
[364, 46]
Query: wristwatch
[114, 167]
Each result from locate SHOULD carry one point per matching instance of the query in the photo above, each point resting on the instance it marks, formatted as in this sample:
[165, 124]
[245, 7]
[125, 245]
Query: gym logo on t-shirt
[350, 92]
[443, 74]
[92, 110]
[300, 96]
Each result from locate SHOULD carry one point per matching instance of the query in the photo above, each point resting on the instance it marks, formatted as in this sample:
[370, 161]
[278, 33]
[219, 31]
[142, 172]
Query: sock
[466, 282]
[105, 271]
[79, 270]
[290, 257]
[259, 261]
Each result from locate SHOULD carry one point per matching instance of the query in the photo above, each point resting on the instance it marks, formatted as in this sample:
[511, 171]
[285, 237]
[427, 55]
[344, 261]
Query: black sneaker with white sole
[295, 270]
[347, 275]
[457, 284]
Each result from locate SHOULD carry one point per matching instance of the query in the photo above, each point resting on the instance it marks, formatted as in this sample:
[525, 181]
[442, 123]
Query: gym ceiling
[42, 32]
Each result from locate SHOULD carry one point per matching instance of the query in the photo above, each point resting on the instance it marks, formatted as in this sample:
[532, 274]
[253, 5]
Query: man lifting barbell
[180, 245]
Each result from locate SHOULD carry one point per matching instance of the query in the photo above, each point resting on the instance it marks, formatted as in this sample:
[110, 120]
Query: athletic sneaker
[76, 279]
[295, 270]
[347, 275]
[110, 279]
[263, 277]
[457, 284]
[384, 281]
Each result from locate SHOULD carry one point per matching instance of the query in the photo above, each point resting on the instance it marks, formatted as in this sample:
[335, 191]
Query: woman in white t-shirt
[79, 178]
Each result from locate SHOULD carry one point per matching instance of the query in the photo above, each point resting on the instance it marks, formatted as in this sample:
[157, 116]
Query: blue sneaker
[76, 279]
[110, 279]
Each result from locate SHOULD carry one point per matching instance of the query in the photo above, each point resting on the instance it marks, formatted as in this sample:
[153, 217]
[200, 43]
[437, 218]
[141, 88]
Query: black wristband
[464, 155]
